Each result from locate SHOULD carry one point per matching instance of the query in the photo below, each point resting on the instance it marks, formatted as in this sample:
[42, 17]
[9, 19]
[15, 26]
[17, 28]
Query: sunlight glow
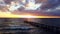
[27, 16]
[9, 15]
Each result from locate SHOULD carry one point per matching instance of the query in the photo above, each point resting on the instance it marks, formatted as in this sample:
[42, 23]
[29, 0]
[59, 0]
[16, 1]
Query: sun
[27, 16]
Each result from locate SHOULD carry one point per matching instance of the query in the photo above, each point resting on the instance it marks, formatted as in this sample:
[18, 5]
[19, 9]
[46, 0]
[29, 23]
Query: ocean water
[20, 26]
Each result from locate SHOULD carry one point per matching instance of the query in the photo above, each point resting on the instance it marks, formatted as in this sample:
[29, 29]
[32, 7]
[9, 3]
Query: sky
[48, 8]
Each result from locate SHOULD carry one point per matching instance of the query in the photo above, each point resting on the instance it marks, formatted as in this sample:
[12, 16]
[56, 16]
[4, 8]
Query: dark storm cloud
[50, 4]
[50, 7]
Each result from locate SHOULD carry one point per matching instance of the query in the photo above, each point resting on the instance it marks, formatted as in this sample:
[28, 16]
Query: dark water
[20, 26]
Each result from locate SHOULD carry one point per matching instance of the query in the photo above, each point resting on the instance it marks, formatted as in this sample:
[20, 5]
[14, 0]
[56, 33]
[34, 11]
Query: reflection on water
[18, 26]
